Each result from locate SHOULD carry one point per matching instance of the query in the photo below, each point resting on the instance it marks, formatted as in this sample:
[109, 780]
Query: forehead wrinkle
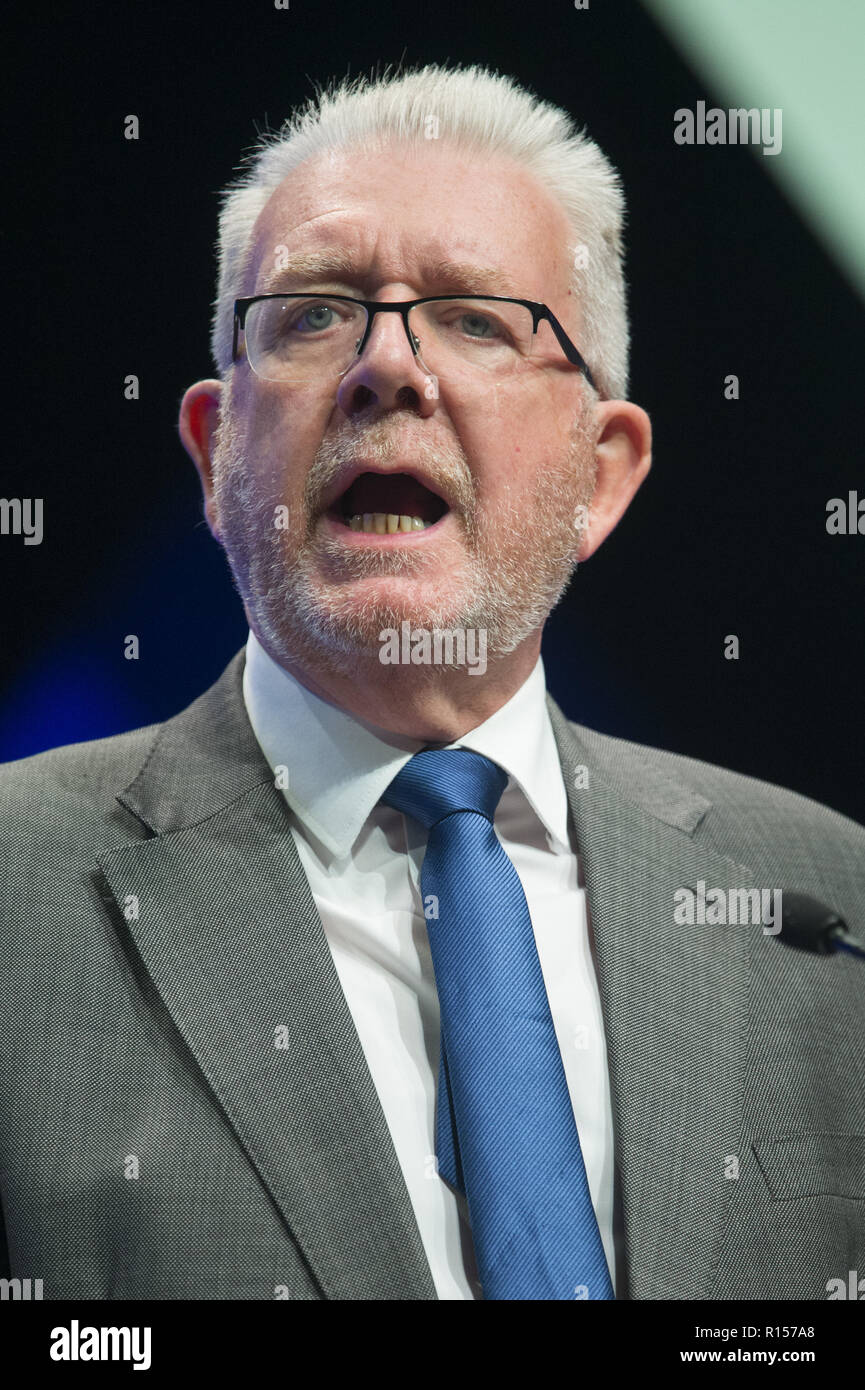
[442, 274]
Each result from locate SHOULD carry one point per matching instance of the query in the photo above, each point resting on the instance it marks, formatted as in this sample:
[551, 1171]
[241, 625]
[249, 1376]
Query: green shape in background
[806, 57]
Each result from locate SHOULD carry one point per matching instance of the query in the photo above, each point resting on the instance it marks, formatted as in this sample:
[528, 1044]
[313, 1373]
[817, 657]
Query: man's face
[508, 462]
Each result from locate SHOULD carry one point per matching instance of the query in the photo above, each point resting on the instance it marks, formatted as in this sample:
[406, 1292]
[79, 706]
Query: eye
[479, 325]
[473, 324]
[313, 318]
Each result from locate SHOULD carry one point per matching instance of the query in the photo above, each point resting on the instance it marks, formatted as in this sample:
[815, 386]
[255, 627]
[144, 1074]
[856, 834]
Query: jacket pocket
[812, 1165]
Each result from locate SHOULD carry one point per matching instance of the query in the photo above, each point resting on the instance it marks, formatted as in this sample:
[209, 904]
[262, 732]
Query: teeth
[385, 523]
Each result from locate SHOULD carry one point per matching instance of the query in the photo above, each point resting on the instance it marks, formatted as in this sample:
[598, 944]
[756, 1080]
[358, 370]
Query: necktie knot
[439, 781]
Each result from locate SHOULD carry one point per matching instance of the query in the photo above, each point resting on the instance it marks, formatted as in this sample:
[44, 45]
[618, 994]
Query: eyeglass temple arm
[567, 346]
[239, 313]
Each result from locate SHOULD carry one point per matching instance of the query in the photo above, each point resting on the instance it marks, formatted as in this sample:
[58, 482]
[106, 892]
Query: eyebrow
[339, 266]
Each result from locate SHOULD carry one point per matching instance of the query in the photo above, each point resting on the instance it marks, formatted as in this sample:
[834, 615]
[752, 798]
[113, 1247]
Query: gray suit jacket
[157, 930]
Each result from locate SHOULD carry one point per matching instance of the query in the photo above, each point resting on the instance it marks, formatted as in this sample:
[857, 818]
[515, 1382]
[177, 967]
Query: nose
[387, 373]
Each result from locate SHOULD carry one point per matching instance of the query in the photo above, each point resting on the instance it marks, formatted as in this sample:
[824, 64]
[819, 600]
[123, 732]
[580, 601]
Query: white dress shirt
[363, 863]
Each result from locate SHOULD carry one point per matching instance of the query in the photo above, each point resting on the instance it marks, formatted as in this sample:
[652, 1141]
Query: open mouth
[384, 503]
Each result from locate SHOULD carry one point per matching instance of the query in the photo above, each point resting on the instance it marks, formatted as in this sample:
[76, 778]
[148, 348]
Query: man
[369, 975]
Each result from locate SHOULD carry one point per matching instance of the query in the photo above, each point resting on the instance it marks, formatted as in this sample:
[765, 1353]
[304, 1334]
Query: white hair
[485, 113]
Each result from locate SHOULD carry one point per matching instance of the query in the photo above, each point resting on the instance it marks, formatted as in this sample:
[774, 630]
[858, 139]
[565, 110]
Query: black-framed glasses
[303, 337]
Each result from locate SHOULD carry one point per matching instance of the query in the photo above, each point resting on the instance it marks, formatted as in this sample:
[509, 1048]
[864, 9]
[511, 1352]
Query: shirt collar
[337, 766]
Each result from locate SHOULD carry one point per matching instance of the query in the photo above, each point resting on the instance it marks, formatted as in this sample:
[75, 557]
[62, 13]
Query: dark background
[109, 270]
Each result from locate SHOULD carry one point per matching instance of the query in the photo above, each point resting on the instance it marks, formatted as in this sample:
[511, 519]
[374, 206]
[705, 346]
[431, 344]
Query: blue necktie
[505, 1130]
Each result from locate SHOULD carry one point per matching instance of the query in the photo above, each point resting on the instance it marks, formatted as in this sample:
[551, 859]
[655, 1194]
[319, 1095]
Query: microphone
[809, 925]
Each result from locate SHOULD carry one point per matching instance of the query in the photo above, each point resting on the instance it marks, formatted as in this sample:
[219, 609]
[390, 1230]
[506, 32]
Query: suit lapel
[229, 932]
[675, 1005]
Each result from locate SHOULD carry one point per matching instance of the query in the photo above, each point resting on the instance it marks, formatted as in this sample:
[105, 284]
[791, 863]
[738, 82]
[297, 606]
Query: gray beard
[510, 581]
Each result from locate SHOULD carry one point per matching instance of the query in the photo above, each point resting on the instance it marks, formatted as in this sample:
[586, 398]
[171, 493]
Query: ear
[199, 417]
[624, 456]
